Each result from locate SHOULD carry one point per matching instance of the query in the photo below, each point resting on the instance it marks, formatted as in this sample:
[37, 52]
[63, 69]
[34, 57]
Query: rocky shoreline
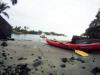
[37, 58]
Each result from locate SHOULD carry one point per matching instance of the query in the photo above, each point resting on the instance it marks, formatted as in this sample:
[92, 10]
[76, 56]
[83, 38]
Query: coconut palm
[5, 27]
[4, 6]
[14, 2]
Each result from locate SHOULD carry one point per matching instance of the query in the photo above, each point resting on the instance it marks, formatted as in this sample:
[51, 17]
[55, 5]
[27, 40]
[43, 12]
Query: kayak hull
[88, 47]
[56, 44]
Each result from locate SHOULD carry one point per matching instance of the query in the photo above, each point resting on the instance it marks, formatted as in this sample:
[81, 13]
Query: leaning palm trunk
[5, 27]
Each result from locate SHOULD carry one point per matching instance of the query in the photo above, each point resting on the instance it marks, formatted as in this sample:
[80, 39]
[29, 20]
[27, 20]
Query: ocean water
[37, 37]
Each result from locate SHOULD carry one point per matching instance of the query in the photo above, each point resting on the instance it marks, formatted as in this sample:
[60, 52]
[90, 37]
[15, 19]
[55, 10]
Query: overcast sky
[70, 17]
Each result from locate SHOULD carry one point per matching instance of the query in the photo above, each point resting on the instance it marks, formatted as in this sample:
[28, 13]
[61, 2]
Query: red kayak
[91, 46]
[56, 43]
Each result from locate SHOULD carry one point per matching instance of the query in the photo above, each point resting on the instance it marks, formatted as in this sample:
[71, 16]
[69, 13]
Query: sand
[26, 57]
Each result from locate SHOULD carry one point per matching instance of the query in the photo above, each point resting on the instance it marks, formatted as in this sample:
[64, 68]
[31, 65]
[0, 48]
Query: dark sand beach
[28, 57]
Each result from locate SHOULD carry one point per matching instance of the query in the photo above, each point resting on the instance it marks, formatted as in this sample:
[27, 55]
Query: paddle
[81, 53]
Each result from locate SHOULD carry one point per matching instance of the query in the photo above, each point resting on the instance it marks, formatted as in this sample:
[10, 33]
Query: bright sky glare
[70, 17]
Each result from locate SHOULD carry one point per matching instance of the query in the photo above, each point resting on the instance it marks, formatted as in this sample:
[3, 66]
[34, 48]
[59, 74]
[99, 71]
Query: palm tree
[5, 27]
[14, 2]
[4, 6]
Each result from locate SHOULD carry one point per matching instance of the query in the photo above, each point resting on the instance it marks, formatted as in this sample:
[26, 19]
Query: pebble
[62, 65]
[64, 60]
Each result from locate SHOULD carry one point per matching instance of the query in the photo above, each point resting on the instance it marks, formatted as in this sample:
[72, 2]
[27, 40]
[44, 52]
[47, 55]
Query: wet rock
[95, 70]
[62, 74]
[21, 58]
[15, 51]
[62, 65]
[4, 54]
[4, 44]
[39, 57]
[32, 54]
[22, 69]
[3, 51]
[83, 67]
[42, 71]
[11, 57]
[50, 73]
[8, 54]
[52, 66]
[5, 58]
[1, 62]
[94, 59]
[64, 60]
[36, 69]
[79, 59]
[37, 63]
[72, 58]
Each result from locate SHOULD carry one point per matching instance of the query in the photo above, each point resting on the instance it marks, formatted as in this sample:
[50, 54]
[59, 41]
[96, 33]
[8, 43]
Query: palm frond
[5, 14]
[14, 2]
[3, 6]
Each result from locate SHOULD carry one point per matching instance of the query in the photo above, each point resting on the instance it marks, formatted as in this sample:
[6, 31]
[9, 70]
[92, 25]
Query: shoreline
[38, 58]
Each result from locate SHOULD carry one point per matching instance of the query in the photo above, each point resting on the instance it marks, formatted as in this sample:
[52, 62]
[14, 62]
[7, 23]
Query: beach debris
[64, 60]
[37, 63]
[95, 70]
[4, 44]
[62, 65]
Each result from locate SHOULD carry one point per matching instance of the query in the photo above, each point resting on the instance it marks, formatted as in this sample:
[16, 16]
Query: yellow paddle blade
[81, 53]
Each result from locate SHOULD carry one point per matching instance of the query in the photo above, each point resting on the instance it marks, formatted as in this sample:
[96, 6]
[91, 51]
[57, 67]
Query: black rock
[50, 73]
[1, 62]
[95, 70]
[36, 69]
[39, 57]
[4, 44]
[21, 58]
[81, 60]
[62, 65]
[72, 58]
[42, 71]
[64, 60]
[32, 54]
[83, 67]
[37, 63]
[62, 74]
[4, 54]
[11, 57]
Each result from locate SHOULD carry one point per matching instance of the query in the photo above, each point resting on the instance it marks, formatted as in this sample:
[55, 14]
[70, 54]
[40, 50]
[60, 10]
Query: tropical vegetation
[24, 30]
